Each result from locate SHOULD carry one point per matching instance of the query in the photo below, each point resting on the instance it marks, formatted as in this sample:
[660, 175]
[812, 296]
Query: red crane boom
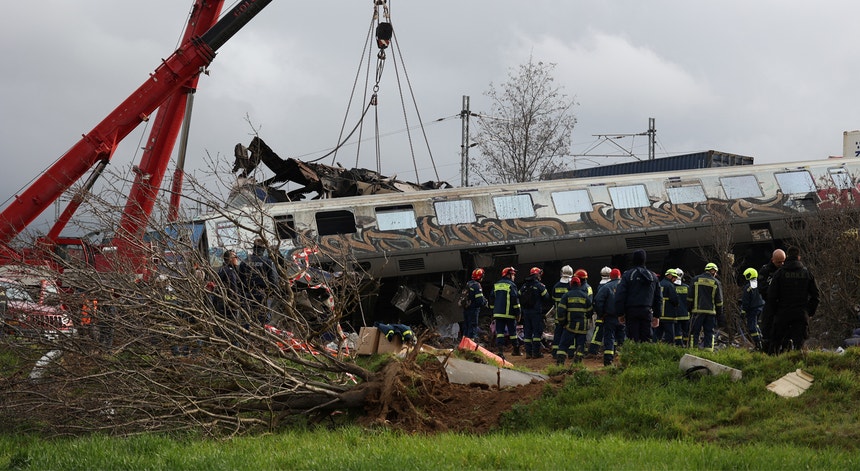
[175, 77]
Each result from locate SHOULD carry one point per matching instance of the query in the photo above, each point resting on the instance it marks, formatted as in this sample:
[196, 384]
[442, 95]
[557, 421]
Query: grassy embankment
[645, 415]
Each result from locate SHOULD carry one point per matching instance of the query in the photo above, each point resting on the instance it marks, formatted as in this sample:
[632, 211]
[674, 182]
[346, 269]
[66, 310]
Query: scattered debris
[691, 364]
[468, 372]
[323, 180]
[793, 384]
[468, 344]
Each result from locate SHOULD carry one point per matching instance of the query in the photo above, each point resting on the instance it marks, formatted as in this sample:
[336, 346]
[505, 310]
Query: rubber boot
[516, 352]
[559, 360]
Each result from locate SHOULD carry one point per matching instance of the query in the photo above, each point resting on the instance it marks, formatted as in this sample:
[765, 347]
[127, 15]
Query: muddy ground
[417, 397]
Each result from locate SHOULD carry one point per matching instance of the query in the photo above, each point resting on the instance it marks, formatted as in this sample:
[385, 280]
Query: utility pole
[652, 137]
[464, 143]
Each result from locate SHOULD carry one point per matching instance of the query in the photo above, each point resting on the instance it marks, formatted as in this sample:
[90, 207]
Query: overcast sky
[776, 80]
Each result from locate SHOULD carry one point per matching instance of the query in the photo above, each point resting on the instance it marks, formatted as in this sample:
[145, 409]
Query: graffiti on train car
[665, 214]
[604, 219]
[428, 234]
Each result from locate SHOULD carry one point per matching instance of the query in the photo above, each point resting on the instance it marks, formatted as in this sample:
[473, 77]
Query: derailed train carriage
[420, 245]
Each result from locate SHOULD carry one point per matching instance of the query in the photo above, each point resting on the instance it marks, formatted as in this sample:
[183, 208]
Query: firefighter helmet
[711, 266]
[615, 274]
[672, 272]
[605, 271]
[567, 270]
[478, 274]
[574, 281]
[508, 271]
[581, 273]
[750, 273]
[536, 271]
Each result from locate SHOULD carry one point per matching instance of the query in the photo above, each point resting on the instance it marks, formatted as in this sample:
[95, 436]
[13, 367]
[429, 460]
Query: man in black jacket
[638, 300]
[792, 298]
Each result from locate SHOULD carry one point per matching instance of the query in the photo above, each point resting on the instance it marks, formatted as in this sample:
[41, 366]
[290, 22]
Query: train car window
[514, 206]
[454, 212]
[335, 222]
[841, 178]
[630, 196]
[686, 194]
[226, 234]
[285, 226]
[793, 183]
[395, 218]
[744, 186]
[571, 202]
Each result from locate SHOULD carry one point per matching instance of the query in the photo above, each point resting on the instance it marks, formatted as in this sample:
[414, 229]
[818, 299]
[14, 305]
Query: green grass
[357, 449]
[648, 398]
[642, 415]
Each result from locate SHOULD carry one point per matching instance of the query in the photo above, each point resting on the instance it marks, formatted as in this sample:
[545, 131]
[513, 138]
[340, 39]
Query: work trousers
[613, 337]
[703, 324]
[506, 328]
[638, 321]
[532, 330]
[470, 323]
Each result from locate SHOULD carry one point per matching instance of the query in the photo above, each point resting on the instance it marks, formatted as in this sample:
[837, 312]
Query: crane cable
[384, 33]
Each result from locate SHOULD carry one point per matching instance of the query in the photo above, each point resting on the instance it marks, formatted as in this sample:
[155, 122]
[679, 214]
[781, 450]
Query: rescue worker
[706, 305]
[476, 301]
[89, 312]
[261, 281]
[682, 315]
[595, 335]
[533, 295]
[506, 311]
[765, 274]
[604, 276]
[638, 299]
[558, 290]
[670, 307]
[576, 306]
[752, 305]
[793, 297]
[604, 307]
[229, 297]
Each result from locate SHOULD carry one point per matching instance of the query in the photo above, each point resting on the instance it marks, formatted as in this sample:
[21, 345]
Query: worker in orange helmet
[475, 300]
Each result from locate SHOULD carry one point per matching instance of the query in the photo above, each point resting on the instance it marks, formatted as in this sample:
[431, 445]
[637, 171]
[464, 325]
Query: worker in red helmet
[605, 309]
[576, 307]
[506, 311]
[595, 328]
[533, 297]
[474, 301]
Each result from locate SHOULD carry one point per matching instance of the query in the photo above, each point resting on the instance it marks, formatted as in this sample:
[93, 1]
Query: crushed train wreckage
[323, 181]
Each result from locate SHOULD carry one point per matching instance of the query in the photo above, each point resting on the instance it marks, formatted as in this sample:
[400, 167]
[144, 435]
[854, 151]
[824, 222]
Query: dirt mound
[417, 398]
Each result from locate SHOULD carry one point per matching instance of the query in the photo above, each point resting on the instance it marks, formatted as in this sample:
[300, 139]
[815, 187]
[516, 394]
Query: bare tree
[830, 248]
[529, 129]
[156, 353]
[721, 251]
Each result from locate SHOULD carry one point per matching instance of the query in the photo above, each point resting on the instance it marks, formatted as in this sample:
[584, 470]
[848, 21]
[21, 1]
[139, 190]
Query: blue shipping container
[707, 159]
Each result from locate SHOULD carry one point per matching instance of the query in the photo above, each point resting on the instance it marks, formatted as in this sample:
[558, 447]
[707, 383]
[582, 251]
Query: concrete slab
[468, 372]
[688, 362]
[793, 384]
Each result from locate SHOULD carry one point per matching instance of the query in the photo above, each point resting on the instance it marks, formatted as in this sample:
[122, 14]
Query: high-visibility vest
[88, 311]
